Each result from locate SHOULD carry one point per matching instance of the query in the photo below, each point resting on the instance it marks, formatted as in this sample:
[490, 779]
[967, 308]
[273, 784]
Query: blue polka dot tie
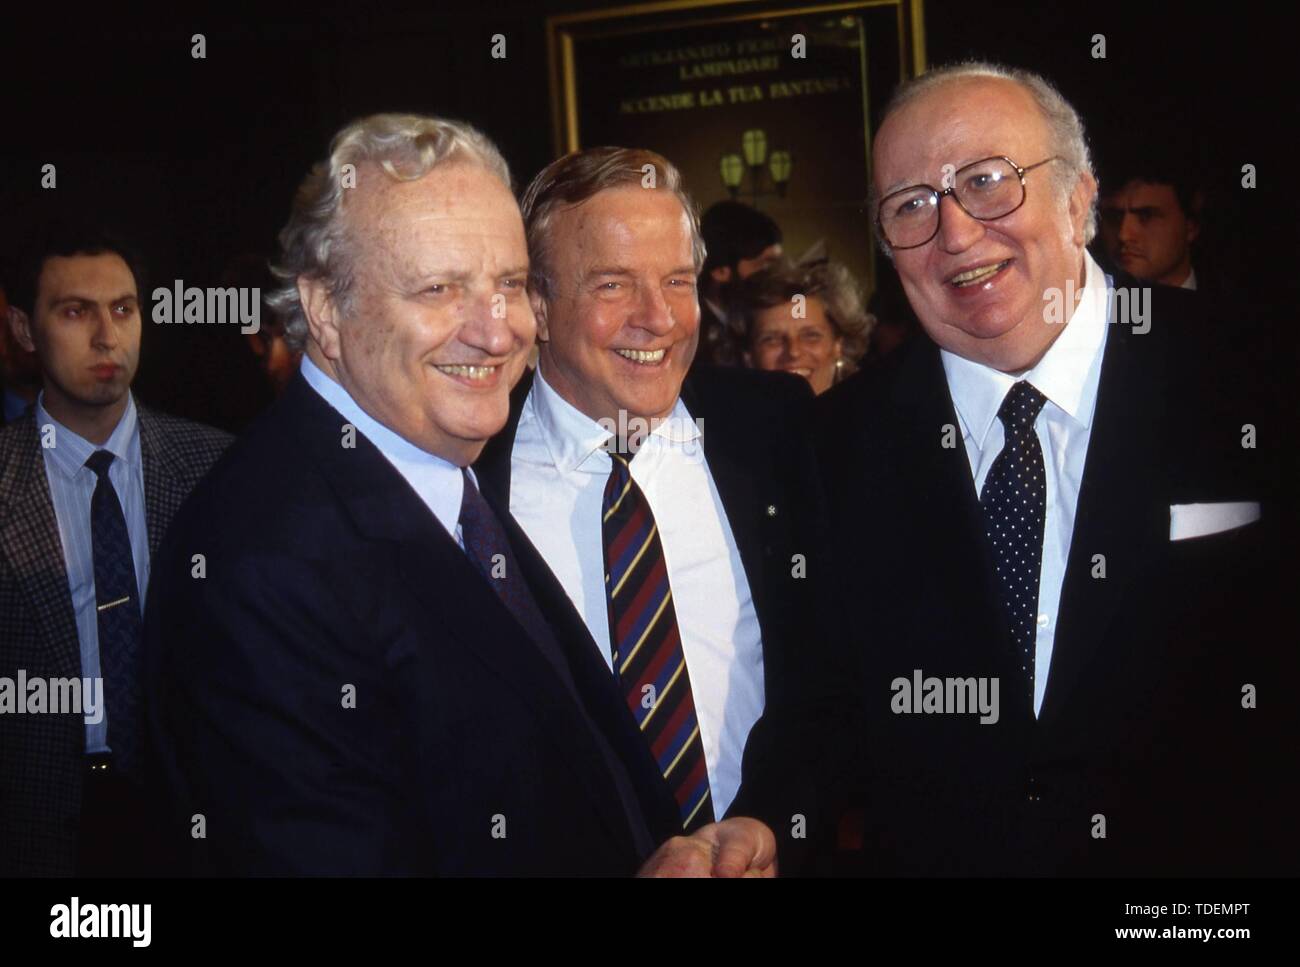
[1014, 501]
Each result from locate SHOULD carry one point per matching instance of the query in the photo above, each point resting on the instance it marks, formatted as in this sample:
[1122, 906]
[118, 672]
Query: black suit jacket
[41, 756]
[327, 578]
[1142, 732]
[756, 442]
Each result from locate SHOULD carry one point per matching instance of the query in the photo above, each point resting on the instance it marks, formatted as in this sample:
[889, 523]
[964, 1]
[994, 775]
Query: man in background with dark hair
[1150, 216]
[89, 481]
[739, 241]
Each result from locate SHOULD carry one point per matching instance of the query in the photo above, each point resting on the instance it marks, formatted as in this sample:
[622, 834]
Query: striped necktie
[646, 644]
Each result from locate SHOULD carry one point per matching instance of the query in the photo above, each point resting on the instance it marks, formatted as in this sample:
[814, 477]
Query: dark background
[197, 159]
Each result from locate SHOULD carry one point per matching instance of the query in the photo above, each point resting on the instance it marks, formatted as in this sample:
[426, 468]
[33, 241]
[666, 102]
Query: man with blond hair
[369, 670]
[681, 514]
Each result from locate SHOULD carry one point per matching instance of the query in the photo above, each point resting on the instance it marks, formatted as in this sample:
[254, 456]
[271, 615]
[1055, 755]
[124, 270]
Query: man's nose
[653, 313]
[105, 334]
[1128, 228]
[958, 231]
[486, 325]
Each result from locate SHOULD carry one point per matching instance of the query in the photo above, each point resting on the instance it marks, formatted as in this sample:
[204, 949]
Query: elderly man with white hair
[1054, 542]
[357, 664]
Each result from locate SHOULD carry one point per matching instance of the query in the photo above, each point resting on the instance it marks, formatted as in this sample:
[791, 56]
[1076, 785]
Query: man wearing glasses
[1053, 537]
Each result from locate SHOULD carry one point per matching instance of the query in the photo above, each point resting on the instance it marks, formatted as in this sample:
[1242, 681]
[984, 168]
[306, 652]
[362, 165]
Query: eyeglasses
[987, 189]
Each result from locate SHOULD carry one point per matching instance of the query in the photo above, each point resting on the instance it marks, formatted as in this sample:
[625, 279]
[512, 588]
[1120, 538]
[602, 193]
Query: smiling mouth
[975, 276]
[643, 357]
[468, 372]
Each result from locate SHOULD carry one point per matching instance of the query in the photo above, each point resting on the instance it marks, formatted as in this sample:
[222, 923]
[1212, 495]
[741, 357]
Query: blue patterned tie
[1015, 509]
[117, 605]
[488, 546]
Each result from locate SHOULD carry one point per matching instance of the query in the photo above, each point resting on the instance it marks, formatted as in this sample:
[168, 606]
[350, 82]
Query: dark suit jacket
[1143, 722]
[41, 767]
[327, 577]
[756, 443]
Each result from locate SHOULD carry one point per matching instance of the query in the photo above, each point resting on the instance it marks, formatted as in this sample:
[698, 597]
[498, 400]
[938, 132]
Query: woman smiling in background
[803, 319]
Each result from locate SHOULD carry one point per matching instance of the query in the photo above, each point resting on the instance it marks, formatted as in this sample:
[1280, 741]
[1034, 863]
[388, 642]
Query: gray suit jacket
[41, 766]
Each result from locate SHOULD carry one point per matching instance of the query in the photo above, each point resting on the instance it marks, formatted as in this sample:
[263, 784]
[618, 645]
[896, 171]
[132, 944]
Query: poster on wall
[769, 103]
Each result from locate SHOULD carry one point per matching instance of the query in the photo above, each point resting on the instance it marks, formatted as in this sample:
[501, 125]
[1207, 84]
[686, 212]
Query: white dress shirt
[558, 471]
[1068, 375]
[72, 485]
[1190, 281]
[436, 481]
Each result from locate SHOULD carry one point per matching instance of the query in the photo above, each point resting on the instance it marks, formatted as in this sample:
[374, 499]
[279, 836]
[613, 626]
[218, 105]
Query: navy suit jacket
[338, 690]
[1145, 758]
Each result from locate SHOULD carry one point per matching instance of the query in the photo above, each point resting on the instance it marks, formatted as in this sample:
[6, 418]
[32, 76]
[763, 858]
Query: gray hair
[574, 178]
[1066, 138]
[780, 282]
[315, 242]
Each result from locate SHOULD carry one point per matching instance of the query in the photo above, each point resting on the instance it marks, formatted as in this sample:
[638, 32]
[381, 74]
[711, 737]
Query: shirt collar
[438, 482]
[576, 441]
[1068, 373]
[70, 452]
[1190, 281]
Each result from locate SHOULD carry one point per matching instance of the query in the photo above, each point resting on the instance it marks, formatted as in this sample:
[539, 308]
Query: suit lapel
[492, 468]
[453, 595]
[1119, 513]
[950, 515]
[595, 684]
[162, 495]
[29, 538]
[742, 480]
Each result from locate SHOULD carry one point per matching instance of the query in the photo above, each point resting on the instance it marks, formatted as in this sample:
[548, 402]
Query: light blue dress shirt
[72, 484]
[436, 481]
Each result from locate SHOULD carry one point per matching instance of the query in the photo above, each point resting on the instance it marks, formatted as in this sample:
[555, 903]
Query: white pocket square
[1199, 520]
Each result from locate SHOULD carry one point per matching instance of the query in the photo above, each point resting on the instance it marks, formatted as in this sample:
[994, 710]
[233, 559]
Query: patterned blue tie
[117, 605]
[488, 546]
[1015, 509]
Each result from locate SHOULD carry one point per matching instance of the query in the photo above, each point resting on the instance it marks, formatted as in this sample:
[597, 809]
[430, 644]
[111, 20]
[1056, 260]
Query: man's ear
[322, 314]
[20, 325]
[539, 313]
[1085, 190]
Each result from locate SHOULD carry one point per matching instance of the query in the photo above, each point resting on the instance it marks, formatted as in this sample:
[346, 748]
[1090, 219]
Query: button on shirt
[437, 482]
[72, 484]
[1068, 375]
[557, 480]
